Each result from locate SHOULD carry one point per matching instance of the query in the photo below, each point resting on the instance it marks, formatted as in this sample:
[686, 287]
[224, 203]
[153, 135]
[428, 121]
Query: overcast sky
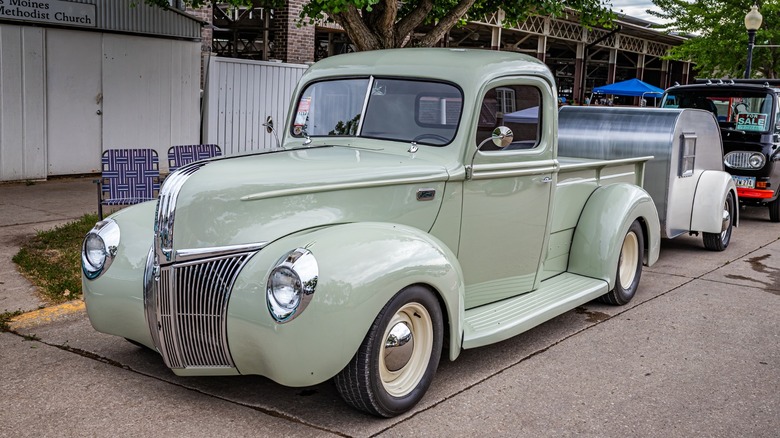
[635, 8]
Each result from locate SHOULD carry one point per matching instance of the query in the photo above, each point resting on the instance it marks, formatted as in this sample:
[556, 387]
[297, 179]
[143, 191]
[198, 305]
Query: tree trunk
[446, 23]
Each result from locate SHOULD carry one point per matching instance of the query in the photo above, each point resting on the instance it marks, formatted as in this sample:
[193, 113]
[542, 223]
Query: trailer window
[687, 155]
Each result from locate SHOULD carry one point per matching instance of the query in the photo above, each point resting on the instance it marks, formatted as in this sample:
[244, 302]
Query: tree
[384, 24]
[718, 43]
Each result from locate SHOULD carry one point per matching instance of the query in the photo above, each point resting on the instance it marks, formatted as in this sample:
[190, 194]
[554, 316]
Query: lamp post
[752, 23]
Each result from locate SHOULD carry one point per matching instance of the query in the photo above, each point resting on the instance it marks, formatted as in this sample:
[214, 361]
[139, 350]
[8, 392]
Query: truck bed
[577, 179]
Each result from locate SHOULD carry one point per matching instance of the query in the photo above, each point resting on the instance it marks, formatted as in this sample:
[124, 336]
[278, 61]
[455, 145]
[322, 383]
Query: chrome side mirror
[269, 128]
[502, 137]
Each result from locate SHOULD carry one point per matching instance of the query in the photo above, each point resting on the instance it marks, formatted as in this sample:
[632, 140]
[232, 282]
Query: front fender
[604, 222]
[711, 191]
[115, 300]
[361, 267]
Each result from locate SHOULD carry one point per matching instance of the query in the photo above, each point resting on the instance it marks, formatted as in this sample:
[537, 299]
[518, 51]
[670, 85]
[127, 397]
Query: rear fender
[711, 191]
[604, 222]
[361, 267]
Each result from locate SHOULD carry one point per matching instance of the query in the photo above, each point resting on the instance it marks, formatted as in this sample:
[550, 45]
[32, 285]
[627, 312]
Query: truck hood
[260, 198]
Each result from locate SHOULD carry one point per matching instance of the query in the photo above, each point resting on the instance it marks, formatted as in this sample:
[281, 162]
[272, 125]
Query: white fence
[240, 95]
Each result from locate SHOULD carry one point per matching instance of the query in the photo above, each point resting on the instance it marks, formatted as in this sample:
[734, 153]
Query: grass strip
[51, 259]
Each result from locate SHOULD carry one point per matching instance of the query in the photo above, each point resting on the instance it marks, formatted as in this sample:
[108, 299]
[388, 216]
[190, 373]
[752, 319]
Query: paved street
[696, 353]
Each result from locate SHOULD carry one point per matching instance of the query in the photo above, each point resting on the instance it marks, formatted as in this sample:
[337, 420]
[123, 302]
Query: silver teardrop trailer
[692, 192]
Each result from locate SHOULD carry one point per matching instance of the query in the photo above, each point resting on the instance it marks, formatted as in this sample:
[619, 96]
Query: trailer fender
[605, 220]
[711, 191]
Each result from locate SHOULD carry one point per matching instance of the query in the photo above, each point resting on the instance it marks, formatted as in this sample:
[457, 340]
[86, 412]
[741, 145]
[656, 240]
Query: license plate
[746, 182]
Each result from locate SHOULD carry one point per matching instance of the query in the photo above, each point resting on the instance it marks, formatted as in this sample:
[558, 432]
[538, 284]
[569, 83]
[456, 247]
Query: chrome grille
[738, 160]
[186, 306]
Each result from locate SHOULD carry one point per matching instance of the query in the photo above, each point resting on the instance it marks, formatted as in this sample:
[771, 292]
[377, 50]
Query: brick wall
[204, 14]
[291, 43]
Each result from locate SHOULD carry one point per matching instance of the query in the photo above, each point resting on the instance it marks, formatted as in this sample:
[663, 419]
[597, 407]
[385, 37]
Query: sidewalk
[25, 209]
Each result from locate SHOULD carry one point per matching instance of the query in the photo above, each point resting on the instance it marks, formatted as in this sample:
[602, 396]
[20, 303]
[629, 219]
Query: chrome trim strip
[184, 255]
[371, 80]
[346, 186]
[166, 210]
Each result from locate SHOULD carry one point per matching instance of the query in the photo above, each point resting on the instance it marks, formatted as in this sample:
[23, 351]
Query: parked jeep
[416, 205]
[747, 112]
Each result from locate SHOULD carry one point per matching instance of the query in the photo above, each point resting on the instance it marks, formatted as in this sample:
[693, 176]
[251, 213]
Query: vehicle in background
[747, 112]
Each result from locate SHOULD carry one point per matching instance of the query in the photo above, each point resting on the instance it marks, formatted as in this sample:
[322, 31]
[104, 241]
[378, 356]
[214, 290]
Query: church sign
[49, 11]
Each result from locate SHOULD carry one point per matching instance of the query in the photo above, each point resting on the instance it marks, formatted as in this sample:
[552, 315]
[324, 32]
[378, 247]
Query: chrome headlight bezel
[99, 248]
[291, 285]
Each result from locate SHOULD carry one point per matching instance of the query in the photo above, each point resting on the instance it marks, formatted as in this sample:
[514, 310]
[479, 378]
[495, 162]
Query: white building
[78, 77]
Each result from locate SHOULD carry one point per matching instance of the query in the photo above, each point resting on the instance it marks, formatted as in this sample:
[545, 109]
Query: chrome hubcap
[399, 346]
[726, 220]
[406, 350]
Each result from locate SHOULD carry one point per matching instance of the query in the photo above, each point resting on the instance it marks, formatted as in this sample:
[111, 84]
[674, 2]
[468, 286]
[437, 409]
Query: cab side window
[513, 106]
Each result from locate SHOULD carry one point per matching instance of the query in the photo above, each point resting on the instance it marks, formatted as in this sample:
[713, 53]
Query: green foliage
[51, 260]
[381, 24]
[719, 40]
[5, 319]
[346, 128]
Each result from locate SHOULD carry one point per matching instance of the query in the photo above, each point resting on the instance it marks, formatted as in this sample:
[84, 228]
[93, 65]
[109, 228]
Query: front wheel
[629, 268]
[774, 210]
[396, 362]
[719, 241]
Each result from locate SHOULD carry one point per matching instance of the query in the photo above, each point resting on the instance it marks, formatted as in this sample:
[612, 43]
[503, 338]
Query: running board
[498, 321]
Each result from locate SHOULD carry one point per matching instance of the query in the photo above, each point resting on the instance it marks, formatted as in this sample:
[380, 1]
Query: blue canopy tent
[632, 87]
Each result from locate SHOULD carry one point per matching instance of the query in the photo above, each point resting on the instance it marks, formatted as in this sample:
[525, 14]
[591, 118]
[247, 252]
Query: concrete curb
[46, 315]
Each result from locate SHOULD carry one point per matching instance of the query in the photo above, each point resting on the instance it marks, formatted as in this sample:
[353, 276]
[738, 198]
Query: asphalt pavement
[696, 353]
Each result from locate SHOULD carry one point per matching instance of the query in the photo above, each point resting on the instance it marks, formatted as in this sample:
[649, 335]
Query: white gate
[240, 95]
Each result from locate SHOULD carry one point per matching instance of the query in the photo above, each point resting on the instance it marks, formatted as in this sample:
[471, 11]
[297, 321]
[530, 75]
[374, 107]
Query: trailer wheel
[774, 210]
[394, 366]
[720, 241]
[629, 267]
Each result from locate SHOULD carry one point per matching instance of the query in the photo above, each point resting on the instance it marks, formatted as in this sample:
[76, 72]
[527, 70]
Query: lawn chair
[180, 155]
[130, 176]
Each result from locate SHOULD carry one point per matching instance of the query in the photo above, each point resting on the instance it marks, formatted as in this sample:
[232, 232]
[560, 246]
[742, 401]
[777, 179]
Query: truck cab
[747, 113]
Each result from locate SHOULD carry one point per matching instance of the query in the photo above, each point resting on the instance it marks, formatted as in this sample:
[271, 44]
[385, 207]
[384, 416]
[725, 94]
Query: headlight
[756, 161]
[99, 248]
[291, 284]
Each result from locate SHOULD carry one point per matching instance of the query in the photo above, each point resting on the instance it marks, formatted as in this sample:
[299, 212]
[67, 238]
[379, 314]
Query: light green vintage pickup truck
[415, 207]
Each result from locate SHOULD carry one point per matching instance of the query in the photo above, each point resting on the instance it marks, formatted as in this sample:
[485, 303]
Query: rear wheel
[719, 241]
[629, 267]
[395, 365]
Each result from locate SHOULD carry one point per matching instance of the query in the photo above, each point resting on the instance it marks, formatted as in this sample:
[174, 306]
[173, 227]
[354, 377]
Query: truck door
[506, 200]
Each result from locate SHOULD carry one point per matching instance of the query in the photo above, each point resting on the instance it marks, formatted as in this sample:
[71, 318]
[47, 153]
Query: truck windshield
[385, 108]
[734, 108]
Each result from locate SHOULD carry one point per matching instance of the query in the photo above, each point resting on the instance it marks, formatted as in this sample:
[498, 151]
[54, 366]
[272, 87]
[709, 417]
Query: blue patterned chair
[181, 155]
[129, 176]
